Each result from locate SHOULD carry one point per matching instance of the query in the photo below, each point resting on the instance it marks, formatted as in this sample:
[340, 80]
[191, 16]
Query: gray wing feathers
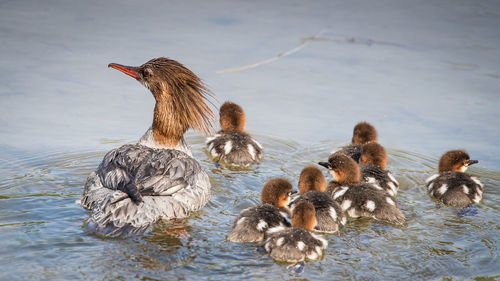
[172, 184]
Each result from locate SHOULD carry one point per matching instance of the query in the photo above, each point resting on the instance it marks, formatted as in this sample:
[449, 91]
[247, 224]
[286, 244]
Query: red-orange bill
[129, 70]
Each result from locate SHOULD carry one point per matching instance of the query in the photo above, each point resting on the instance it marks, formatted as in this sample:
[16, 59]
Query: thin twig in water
[307, 40]
[284, 54]
[353, 40]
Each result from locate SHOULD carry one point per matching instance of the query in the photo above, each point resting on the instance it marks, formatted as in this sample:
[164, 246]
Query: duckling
[297, 243]
[363, 132]
[452, 185]
[372, 164]
[232, 145]
[328, 213]
[252, 223]
[359, 199]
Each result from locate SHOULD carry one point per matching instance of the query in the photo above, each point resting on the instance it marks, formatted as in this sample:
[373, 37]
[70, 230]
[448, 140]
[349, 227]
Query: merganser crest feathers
[181, 99]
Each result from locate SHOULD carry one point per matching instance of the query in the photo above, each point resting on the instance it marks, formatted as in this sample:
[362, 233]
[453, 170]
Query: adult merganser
[297, 243]
[232, 145]
[452, 185]
[372, 164]
[359, 199]
[252, 223]
[328, 213]
[157, 178]
[363, 133]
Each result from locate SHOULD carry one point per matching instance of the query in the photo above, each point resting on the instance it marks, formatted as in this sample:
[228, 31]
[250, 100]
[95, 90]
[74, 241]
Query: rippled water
[42, 234]
[425, 73]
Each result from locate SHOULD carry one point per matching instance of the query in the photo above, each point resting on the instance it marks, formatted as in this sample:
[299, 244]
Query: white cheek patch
[477, 198]
[285, 215]
[333, 175]
[430, 186]
[301, 245]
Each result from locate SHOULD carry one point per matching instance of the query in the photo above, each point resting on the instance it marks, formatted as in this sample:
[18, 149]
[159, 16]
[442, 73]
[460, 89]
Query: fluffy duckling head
[304, 216]
[364, 132]
[374, 154]
[277, 192]
[232, 117]
[344, 170]
[455, 160]
[311, 179]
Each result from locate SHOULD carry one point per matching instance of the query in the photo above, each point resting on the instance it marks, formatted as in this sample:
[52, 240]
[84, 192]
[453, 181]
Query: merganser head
[364, 132]
[304, 216]
[232, 117]
[344, 170]
[181, 98]
[311, 179]
[277, 192]
[374, 154]
[455, 160]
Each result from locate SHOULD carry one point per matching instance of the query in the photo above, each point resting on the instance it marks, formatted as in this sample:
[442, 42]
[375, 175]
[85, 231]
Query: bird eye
[146, 73]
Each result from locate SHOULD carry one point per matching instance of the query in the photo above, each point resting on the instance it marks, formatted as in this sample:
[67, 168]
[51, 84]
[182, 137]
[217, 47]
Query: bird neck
[167, 127]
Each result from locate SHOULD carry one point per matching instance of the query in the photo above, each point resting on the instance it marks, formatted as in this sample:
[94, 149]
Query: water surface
[425, 73]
